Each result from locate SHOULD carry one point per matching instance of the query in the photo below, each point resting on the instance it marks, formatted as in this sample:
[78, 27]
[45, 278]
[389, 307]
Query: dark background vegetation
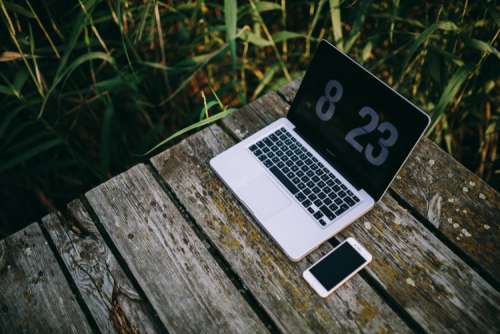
[88, 87]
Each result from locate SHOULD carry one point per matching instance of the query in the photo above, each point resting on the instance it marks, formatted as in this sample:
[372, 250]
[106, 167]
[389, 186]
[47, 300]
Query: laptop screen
[359, 124]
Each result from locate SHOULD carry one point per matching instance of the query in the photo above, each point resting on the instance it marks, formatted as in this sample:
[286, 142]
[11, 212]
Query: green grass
[89, 87]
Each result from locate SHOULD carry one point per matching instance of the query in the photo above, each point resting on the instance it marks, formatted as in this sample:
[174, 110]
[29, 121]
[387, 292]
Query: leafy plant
[88, 86]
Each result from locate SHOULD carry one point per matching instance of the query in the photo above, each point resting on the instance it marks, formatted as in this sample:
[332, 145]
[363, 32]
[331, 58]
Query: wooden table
[166, 247]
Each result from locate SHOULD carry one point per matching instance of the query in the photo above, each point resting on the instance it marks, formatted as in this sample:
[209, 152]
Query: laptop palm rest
[263, 197]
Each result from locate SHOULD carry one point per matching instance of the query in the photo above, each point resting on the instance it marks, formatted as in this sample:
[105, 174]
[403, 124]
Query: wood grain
[183, 282]
[456, 201]
[34, 294]
[467, 301]
[110, 296]
[275, 281]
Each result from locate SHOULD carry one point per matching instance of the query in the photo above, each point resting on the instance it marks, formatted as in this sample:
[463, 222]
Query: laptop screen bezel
[376, 194]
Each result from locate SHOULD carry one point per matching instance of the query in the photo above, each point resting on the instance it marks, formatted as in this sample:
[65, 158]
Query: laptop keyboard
[315, 187]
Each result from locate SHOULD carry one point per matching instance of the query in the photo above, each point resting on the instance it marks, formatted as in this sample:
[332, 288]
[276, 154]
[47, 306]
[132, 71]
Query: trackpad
[263, 196]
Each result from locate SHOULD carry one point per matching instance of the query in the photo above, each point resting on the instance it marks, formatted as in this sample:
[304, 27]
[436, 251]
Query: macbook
[308, 176]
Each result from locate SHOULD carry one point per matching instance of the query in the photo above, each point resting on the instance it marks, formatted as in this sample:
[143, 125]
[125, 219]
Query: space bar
[289, 185]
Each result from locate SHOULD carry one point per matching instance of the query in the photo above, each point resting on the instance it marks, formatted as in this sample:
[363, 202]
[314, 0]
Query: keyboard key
[265, 149]
[261, 144]
[275, 160]
[317, 202]
[330, 215]
[341, 209]
[300, 196]
[268, 163]
[333, 207]
[285, 170]
[262, 157]
[315, 190]
[308, 162]
[306, 203]
[312, 197]
[315, 178]
[327, 190]
[349, 201]
[300, 163]
[330, 182]
[296, 180]
[310, 173]
[280, 164]
[273, 137]
[268, 141]
[254, 148]
[294, 168]
[338, 201]
[314, 167]
[343, 187]
[300, 173]
[327, 201]
[283, 179]
[318, 215]
[336, 188]
[342, 194]
[321, 195]
[310, 184]
[311, 210]
[322, 222]
[307, 191]
[321, 184]
[290, 175]
[355, 198]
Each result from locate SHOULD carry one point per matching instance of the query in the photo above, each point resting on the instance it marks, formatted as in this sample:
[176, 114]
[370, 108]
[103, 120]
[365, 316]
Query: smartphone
[336, 267]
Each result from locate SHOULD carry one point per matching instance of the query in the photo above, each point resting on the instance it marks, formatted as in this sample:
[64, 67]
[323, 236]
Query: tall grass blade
[91, 56]
[196, 125]
[450, 91]
[231, 18]
[336, 23]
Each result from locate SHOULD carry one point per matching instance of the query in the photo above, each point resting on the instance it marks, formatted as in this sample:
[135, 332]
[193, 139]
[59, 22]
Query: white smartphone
[336, 267]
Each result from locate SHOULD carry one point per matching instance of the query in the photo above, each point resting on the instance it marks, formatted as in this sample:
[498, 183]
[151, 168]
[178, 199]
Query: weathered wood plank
[183, 282]
[110, 296]
[275, 281]
[34, 294]
[438, 267]
[459, 203]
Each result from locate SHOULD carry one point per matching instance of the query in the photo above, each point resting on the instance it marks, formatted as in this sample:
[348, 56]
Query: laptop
[308, 176]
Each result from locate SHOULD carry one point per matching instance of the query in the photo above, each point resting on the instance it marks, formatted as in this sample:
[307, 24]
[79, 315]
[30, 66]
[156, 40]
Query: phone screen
[336, 266]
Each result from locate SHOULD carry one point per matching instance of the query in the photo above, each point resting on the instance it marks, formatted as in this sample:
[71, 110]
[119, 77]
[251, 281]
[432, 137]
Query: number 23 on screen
[325, 108]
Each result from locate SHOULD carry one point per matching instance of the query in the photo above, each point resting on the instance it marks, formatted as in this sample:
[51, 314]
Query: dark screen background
[360, 89]
[337, 266]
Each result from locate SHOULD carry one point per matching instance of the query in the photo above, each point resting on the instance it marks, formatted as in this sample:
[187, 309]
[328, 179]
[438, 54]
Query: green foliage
[88, 87]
